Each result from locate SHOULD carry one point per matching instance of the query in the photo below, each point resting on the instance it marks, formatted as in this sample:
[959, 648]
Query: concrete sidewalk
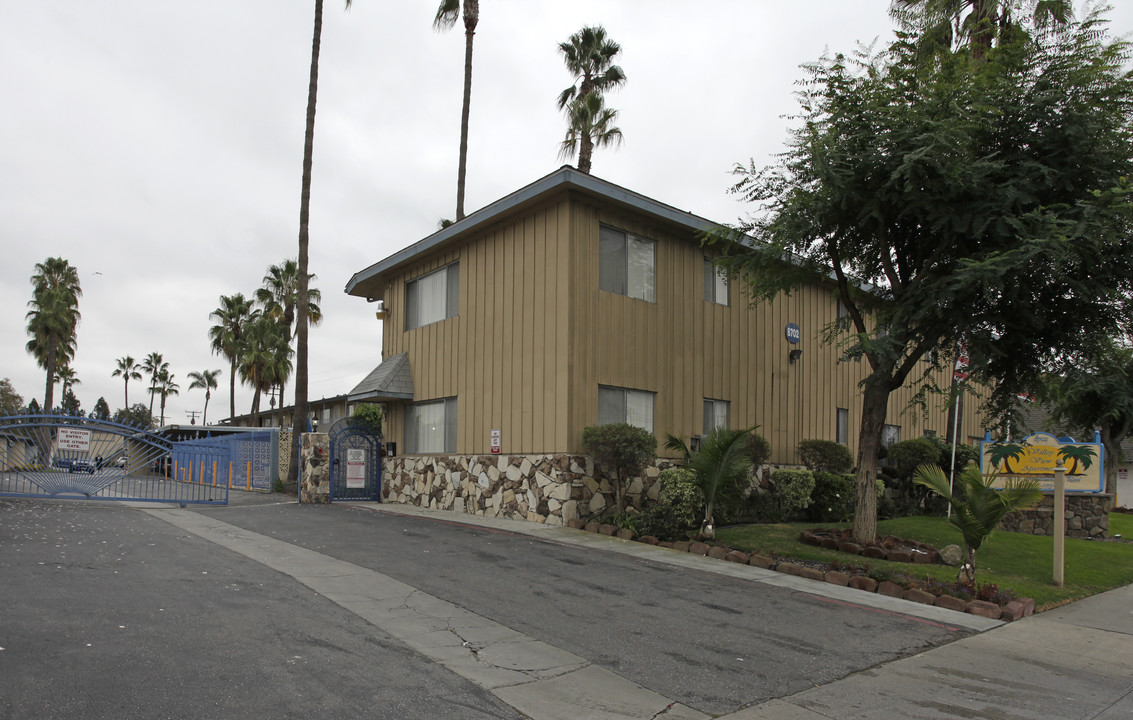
[1072, 662]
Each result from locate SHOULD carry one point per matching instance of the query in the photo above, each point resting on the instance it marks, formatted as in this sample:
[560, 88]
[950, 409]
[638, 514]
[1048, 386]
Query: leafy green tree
[33, 407]
[302, 308]
[128, 369]
[227, 336]
[721, 465]
[154, 365]
[589, 56]
[11, 402]
[976, 201]
[447, 13]
[1096, 393]
[620, 448]
[166, 387]
[137, 415]
[101, 409]
[369, 415]
[977, 507]
[204, 380]
[70, 404]
[53, 318]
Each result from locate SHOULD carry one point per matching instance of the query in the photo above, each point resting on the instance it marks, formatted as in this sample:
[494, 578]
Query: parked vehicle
[86, 466]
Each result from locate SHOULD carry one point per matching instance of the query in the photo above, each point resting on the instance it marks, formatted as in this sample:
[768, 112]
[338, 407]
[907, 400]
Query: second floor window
[432, 297]
[715, 284]
[622, 405]
[627, 264]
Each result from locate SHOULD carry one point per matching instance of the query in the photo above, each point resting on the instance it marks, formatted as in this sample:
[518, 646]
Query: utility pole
[192, 416]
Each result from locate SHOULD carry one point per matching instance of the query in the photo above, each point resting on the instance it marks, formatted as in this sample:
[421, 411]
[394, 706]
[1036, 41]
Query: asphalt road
[110, 612]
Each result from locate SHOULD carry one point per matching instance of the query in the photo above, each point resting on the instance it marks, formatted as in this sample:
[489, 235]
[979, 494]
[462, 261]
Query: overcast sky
[157, 146]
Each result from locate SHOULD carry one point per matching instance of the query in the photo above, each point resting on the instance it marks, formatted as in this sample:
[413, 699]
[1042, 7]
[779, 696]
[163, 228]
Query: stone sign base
[1087, 516]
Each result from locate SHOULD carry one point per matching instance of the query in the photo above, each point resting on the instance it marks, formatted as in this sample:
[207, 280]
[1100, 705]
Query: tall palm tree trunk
[299, 418]
[49, 392]
[232, 388]
[462, 166]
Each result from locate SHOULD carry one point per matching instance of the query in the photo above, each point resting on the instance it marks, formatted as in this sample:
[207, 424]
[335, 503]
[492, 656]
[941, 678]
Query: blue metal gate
[247, 461]
[356, 462]
[63, 456]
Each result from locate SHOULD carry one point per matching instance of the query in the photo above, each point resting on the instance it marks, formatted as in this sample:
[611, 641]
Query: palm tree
[447, 14]
[234, 313]
[53, 318]
[205, 380]
[279, 295]
[589, 56]
[975, 24]
[128, 369]
[66, 375]
[265, 359]
[1078, 454]
[724, 459]
[302, 300]
[1005, 451]
[166, 387]
[154, 365]
[977, 507]
[590, 124]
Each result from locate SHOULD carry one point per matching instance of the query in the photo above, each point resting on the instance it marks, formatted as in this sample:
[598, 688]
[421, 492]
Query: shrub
[369, 416]
[792, 489]
[759, 450]
[620, 448]
[825, 456]
[904, 459]
[679, 507]
[908, 455]
[833, 497]
[965, 454]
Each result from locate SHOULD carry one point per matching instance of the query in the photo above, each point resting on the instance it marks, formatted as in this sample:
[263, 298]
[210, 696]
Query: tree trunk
[49, 391]
[299, 416]
[462, 164]
[232, 388]
[585, 150]
[875, 402]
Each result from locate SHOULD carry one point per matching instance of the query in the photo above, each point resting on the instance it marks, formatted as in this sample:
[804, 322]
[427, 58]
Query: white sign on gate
[74, 439]
[355, 468]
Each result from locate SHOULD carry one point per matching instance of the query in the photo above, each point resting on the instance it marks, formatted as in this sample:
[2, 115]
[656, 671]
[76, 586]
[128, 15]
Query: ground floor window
[622, 405]
[715, 414]
[430, 427]
[842, 424]
[890, 434]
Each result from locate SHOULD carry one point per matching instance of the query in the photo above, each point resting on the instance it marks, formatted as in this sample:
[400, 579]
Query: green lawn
[1022, 563]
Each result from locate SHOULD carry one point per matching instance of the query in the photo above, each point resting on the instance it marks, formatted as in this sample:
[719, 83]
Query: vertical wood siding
[535, 337]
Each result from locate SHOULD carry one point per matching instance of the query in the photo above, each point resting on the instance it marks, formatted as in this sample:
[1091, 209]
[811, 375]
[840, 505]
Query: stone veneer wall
[314, 468]
[551, 489]
[284, 452]
[1086, 516]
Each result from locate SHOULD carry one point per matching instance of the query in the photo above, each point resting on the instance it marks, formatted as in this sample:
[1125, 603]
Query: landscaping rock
[591, 527]
[627, 534]
[875, 552]
[811, 573]
[900, 556]
[920, 596]
[789, 568]
[698, 548]
[926, 558]
[649, 540]
[717, 552]
[950, 603]
[1013, 611]
[607, 530]
[861, 582]
[681, 545]
[576, 523]
[891, 589]
[810, 538]
[760, 561]
[951, 555]
[1028, 606]
[737, 556]
[983, 609]
[849, 547]
[837, 578]
[665, 544]
[830, 543]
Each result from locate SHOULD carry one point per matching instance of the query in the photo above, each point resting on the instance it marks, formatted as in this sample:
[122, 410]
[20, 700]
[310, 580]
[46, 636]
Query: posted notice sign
[355, 468]
[74, 439]
[495, 442]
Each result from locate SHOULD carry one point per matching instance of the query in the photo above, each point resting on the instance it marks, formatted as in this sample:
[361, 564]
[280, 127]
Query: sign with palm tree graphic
[1036, 456]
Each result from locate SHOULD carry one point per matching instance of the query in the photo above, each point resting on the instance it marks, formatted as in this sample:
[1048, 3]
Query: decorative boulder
[951, 555]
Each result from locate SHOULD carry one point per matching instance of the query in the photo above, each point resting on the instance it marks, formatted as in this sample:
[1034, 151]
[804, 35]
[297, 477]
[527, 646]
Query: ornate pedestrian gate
[356, 462]
[63, 456]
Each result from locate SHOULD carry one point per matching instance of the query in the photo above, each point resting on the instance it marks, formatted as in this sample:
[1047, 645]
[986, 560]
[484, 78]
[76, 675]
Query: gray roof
[392, 380]
[565, 178]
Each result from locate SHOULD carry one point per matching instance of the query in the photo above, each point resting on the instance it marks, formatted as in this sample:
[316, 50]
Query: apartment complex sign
[1037, 455]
